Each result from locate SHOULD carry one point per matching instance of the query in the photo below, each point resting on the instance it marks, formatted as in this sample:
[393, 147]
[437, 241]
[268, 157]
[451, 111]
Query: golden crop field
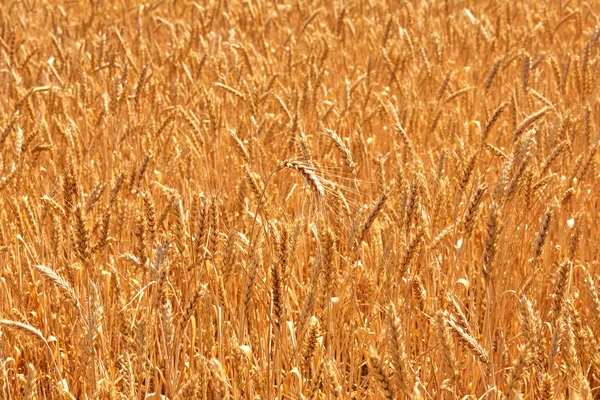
[316, 199]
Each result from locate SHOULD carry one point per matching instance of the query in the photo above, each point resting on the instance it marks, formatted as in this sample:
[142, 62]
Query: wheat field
[354, 199]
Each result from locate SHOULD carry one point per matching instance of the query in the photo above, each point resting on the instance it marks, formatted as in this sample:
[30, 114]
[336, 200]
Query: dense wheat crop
[360, 199]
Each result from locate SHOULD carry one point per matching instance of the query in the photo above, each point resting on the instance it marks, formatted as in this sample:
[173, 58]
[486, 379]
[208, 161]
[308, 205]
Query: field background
[299, 199]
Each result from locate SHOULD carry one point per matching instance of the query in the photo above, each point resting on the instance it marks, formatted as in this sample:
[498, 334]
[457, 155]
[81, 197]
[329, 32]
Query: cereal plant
[319, 199]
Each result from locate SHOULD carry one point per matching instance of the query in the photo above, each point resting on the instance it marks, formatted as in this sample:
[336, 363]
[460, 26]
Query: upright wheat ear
[491, 238]
[447, 346]
[375, 210]
[82, 236]
[538, 244]
[376, 368]
[402, 375]
[343, 149]
[493, 119]
[473, 209]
